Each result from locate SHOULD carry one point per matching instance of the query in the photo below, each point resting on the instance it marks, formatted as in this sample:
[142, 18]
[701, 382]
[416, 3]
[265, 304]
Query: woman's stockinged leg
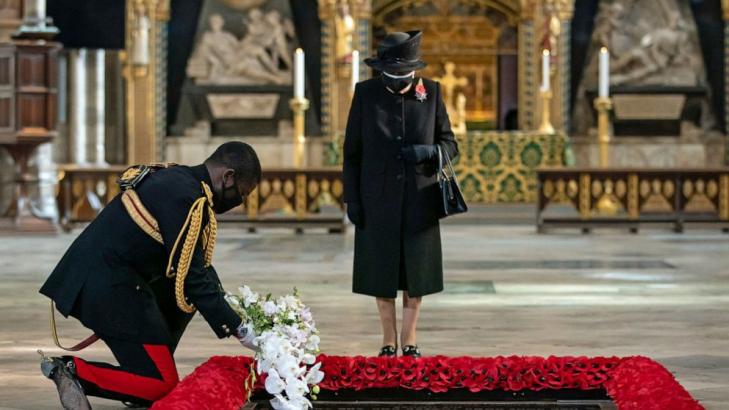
[410, 313]
[388, 319]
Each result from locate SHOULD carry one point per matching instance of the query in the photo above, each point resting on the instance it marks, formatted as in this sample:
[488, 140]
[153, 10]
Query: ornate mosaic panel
[501, 166]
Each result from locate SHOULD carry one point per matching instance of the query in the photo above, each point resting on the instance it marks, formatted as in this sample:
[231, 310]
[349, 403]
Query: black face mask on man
[397, 83]
[229, 198]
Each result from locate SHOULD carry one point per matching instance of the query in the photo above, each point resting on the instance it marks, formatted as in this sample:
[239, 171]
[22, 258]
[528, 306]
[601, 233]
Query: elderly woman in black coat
[396, 126]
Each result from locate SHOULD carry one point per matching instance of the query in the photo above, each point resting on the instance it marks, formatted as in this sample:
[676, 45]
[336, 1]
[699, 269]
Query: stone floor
[508, 291]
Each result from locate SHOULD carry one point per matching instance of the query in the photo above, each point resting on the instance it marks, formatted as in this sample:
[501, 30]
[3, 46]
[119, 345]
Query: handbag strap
[447, 162]
[440, 162]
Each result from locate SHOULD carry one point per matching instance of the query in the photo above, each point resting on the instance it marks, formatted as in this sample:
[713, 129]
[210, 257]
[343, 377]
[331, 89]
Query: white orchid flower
[301, 402]
[313, 343]
[281, 403]
[308, 358]
[314, 376]
[249, 297]
[263, 365]
[295, 388]
[271, 349]
[288, 368]
[274, 383]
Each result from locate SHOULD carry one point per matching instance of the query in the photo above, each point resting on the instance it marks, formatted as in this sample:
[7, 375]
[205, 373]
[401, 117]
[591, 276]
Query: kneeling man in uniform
[137, 274]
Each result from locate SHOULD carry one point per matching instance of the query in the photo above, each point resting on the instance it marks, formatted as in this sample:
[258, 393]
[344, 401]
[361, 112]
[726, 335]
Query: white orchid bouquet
[286, 343]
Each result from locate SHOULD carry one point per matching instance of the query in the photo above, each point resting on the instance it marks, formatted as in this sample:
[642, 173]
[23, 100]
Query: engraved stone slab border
[649, 107]
[243, 106]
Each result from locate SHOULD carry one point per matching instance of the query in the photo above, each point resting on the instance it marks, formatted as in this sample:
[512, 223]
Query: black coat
[400, 235]
[112, 277]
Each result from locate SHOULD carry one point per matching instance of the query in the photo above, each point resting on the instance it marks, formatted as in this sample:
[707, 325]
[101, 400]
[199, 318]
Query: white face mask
[410, 74]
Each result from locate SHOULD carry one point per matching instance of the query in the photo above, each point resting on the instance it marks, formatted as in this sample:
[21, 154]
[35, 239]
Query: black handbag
[452, 201]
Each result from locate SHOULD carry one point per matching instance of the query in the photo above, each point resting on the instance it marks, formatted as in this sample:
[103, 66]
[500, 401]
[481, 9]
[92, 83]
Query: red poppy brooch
[420, 92]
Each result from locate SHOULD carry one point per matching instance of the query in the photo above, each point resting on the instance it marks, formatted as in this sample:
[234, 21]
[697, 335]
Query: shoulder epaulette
[132, 176]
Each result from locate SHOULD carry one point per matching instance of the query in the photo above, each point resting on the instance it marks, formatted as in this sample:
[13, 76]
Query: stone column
[145, 102]
[160, 117]
[95, 91]
[78, 140]
[725, 13]
[34, 12]
[328, 60]
[35, 22]
[362, 10]
[563, 10]
[528, 65]
[44, 201]
[115, 144]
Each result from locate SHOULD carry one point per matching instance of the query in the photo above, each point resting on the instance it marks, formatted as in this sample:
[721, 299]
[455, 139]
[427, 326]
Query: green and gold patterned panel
[500, 166]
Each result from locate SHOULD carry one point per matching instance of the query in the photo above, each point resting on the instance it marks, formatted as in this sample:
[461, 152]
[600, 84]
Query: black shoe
[411, 351]
[388, 351]
[63, 374]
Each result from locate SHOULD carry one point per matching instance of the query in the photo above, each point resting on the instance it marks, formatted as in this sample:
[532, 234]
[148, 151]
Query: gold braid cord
[189, 235]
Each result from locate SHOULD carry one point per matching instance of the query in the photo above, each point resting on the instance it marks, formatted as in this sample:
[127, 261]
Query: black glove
[419, 153]
[354, 213]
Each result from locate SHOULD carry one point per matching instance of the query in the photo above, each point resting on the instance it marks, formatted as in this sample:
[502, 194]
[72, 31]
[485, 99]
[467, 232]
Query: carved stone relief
[261, 56]
[651, 43]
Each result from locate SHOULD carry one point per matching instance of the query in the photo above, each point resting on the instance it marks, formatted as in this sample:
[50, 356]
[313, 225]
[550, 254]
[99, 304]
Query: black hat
[398, 52]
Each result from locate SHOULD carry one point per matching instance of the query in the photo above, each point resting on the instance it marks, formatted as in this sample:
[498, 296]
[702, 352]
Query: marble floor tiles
[508, 291]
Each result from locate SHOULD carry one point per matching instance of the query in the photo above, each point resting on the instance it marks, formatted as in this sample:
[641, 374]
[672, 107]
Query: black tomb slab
[456, 399]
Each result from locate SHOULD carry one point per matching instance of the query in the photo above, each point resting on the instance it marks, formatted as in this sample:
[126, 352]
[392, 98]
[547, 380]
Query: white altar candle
[140, 49]
[545, 70]
[355, 68]
[299, 73]
[604, 73]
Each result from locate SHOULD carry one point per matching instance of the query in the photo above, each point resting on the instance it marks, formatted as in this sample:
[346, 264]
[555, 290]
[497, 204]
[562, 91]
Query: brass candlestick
[299, 107]
[603, 105]
[607, 204]
[546, 125]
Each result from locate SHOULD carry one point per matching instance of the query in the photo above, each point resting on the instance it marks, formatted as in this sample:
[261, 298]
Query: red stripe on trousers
[119, 381]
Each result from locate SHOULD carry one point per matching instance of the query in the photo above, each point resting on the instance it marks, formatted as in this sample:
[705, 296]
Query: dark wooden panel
[52, 69]
[6, 70]
[32, 110]
[52, 112]
[32, 70]
[6, 113]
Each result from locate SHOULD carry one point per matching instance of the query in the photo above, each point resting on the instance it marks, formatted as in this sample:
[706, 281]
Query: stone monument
[662, 115]
[239, 81]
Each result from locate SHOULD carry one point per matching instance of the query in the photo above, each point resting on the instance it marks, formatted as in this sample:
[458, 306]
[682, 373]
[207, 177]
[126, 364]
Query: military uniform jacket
[113, 280]
[400, 234]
